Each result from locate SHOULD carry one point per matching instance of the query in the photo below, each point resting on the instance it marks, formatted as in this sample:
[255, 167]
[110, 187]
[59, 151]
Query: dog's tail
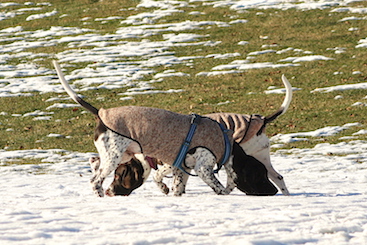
[287, 100]
[71, 92]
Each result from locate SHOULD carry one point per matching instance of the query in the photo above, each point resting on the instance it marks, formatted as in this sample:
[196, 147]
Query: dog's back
[161, 133]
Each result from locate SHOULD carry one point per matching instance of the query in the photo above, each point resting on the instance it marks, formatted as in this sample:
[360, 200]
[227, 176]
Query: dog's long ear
[124, 176]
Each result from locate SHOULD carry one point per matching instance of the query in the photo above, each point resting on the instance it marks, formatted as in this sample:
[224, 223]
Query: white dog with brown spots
[132, 131]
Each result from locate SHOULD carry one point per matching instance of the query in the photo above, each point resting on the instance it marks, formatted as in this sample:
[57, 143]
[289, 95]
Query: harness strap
[185, 146]
[195, 120]
[247, 129]
[227, 147]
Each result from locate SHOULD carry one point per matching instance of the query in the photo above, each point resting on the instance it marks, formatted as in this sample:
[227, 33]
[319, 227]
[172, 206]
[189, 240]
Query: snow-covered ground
[52, 202]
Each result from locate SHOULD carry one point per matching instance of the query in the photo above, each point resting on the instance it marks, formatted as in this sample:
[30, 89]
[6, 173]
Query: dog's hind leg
[205, 162]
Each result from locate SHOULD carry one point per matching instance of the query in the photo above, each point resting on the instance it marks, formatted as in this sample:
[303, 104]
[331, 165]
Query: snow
[362, 43]
[341, 88]
[40, 16]
[322, 132]
[51, 202]
[352, 10]
[305, 58]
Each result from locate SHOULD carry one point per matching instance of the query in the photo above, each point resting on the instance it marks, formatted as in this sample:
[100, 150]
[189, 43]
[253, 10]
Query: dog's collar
[152, 163]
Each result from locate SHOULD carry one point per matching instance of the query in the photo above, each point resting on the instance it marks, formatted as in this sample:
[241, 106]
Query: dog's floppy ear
[123, 176]
[258, 182]
[252, 176]
[128, 177]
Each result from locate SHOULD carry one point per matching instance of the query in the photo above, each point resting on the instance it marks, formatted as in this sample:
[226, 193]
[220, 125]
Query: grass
[314, 30]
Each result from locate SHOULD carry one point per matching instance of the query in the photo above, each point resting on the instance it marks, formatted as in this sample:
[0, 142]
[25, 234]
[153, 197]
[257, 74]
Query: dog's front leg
[97, 181]
[159, 175]
[108, 165]
[278, 180]
[205, 162]
[178, 185]
[94, 163]
[231, 175]
[263, 156]
[112, 149]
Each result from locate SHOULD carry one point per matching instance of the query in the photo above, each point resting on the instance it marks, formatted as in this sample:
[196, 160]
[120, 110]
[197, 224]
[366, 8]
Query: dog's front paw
[99, 193]
[285, 192]
[177, 194]
[223, 192]
[164, 189]
[229, 188]
[110, 193]
[97, 189]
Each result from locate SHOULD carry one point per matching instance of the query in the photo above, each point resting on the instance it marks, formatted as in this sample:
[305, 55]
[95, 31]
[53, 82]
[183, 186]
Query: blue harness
[185, 146]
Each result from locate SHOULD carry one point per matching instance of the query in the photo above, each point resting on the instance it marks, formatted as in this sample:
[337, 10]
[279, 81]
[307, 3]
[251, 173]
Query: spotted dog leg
[178, 185]
[177, 181]
[113, 149]
[205, 162]
[231, 175]
[160, 174]
[94, 163]
[180, 177]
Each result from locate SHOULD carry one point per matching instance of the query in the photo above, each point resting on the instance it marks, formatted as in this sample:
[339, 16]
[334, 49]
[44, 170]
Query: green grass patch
[317, 31]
